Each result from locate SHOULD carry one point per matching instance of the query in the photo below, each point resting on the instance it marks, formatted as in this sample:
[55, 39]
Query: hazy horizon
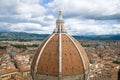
[68, 33]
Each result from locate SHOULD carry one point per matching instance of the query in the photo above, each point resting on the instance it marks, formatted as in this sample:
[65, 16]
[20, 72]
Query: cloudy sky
[82, 17]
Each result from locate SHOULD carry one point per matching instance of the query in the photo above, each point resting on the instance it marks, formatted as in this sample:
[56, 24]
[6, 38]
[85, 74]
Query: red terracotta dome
[60, 57]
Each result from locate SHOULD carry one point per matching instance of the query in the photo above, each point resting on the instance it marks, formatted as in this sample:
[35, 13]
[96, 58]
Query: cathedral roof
[60, 54]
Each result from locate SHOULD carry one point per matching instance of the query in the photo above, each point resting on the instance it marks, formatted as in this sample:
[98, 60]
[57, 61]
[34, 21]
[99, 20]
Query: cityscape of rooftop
[50, 52]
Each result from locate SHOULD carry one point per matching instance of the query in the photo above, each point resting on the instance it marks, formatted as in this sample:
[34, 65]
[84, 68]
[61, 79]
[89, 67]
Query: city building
[60, 57]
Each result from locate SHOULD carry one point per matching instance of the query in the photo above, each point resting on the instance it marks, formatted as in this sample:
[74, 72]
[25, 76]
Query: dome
[60, 57]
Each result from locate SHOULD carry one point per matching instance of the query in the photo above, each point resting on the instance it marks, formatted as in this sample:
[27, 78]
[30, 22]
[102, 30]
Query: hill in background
[22, 36]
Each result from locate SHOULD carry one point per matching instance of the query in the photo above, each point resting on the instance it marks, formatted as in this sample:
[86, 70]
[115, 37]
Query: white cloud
[34, 10]
[24, 15]
[82, 17]
[91, 27]
[87, 8]
[89, 16]
[29, 27]
[21, 7]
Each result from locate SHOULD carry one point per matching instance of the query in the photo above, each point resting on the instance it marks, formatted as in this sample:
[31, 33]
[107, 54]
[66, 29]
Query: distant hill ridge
[22, 36]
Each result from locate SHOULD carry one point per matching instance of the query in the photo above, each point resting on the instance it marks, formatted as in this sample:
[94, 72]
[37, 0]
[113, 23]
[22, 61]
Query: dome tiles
[60, 57]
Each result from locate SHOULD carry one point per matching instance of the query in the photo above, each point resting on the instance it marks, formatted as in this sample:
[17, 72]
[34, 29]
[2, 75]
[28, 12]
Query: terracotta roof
[8, 71]
[72, 62]
[2, 52]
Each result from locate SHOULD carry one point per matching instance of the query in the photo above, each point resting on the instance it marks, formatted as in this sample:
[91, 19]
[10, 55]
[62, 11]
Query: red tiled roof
[2, 52]
[73, 61]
